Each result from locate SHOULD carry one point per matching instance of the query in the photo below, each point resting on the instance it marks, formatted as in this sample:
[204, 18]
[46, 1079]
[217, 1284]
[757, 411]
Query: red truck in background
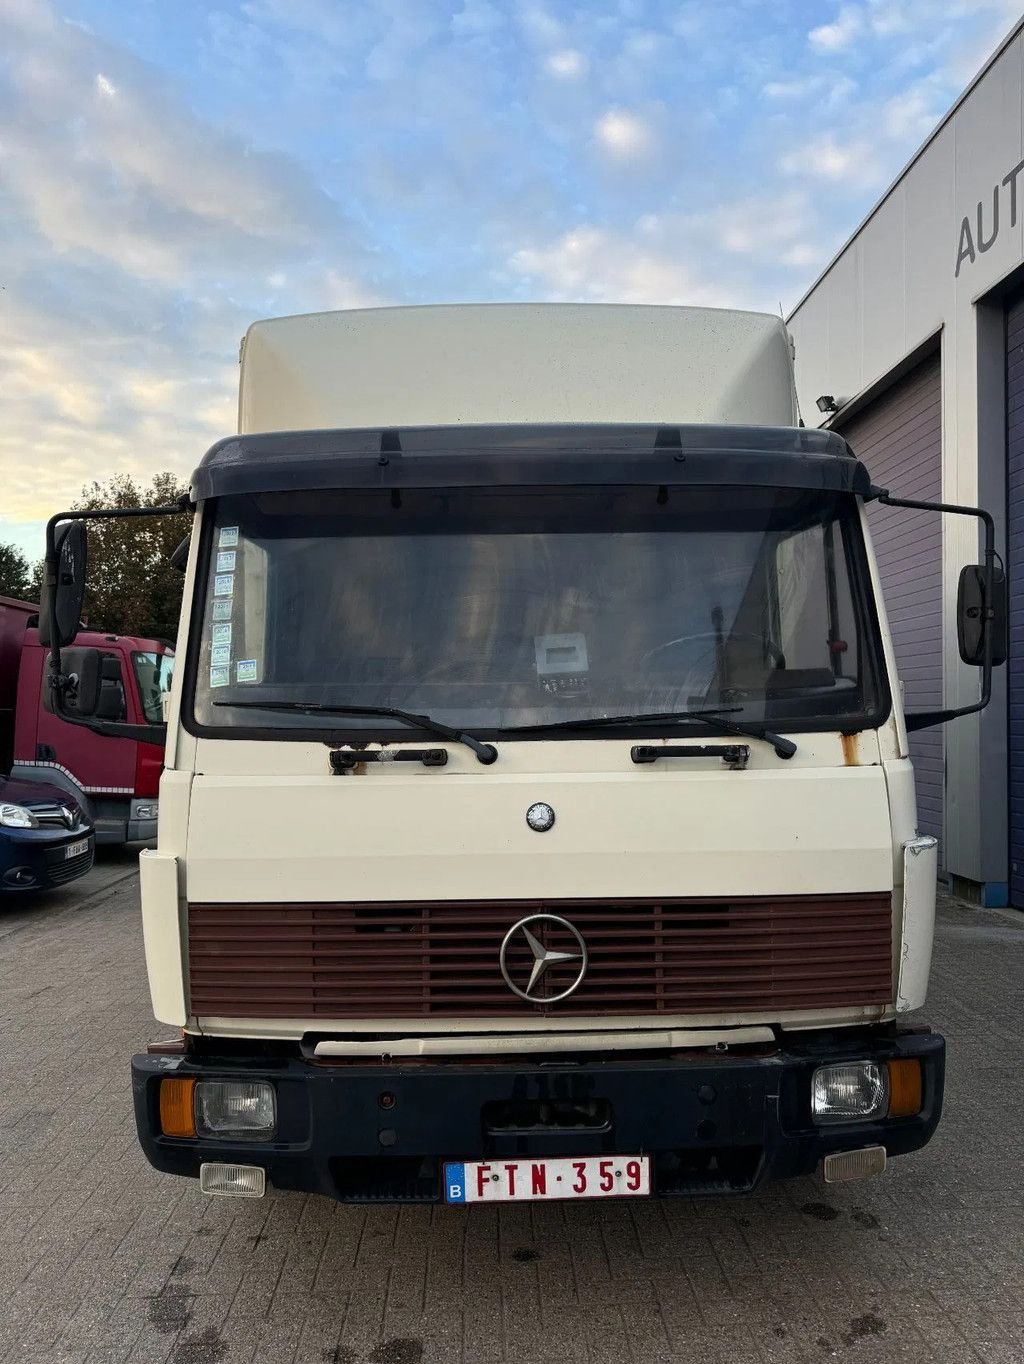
[115, 781]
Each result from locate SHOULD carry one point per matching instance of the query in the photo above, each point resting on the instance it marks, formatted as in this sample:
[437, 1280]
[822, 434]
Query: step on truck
[537, 818]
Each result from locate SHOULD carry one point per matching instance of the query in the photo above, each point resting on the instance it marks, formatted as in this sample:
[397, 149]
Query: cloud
[624, 135]
[834, 91]
[826, 158]
[749, 252]
[540, 25]
[169, 173]
[138, 240]
[477, 18]
[839, 34]
[566, 64]
[598, 265]
[911, 115]
[104, 158]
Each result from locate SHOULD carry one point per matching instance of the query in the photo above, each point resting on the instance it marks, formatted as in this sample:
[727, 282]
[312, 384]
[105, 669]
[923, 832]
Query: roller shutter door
[899, 438]
[1015, 575]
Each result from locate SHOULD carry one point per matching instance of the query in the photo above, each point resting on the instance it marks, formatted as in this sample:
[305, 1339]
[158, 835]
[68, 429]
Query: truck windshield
[153, 673]
[500, 608]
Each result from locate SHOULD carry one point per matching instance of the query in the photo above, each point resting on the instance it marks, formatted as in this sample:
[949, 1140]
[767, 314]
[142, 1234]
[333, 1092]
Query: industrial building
[912, 341]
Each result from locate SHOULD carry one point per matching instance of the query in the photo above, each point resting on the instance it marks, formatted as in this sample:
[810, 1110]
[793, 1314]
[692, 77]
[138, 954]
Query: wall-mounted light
[826, 403]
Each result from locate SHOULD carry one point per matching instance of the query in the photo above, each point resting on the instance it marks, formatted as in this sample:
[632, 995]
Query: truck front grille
[441, 960]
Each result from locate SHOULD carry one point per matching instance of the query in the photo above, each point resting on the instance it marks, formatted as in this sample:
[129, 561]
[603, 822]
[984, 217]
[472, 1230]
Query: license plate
[76, 849]
[514, 1181]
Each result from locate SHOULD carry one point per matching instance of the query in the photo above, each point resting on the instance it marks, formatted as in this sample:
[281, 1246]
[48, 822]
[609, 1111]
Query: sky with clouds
[170, 172]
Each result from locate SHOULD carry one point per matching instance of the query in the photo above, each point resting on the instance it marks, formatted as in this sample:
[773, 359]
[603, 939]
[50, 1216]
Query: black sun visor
[487, 456]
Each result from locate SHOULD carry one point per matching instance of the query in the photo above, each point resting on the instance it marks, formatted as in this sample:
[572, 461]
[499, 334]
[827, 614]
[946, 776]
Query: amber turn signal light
[904, 1088]
[177, 1118]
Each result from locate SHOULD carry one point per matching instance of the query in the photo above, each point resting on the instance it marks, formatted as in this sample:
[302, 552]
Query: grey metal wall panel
[1015, 571]
[899, 438]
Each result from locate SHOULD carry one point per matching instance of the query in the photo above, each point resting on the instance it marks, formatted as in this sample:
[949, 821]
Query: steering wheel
[698, 678]
[776, 655]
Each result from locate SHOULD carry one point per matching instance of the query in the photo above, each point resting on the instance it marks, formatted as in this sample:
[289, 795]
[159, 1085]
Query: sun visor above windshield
[485, 456]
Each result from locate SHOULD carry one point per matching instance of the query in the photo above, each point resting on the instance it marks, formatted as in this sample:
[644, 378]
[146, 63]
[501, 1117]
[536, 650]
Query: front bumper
[381, 1132]
[36, 859]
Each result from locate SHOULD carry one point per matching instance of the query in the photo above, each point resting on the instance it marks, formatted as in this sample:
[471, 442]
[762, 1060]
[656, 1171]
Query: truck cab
[116, 780]
[537, 819]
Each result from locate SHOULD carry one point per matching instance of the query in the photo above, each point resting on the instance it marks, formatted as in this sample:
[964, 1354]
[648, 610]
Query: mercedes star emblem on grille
[527, 933]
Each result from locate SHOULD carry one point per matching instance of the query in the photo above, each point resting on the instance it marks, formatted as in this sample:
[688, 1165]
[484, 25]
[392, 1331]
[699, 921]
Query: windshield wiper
[486, 753]
[784, 748]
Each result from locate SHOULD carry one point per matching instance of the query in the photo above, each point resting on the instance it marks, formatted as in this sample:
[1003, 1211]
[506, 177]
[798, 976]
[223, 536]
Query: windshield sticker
[228, 537]
[222, 610]
[220, 677]
[220, 655]
[222, 634]
[224, 586]
[226, 561]
[245, 670]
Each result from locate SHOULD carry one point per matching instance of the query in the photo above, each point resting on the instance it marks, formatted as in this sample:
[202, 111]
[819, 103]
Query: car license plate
[76, 849]
[513, 1181]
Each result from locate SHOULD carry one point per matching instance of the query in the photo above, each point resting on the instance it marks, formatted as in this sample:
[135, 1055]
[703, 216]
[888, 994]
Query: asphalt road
[104, 1260]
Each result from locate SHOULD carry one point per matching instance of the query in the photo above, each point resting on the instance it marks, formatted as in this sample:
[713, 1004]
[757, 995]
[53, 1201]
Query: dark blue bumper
[36, 859]
[381, 1132]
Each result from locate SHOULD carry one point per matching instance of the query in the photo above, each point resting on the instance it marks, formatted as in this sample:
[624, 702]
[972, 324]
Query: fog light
[235, 1108]
[22, 877]
[233, 1181]
[843, 1166]
[851, 1092]
[146, 811]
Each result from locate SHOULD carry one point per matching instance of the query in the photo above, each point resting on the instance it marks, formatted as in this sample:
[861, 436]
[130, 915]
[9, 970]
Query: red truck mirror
[60, 611]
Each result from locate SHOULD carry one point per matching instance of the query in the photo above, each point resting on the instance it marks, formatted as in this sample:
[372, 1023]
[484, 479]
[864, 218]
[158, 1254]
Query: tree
[15, 575]
[132, 588]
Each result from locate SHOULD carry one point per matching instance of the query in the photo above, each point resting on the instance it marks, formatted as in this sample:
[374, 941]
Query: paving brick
[104, 1261]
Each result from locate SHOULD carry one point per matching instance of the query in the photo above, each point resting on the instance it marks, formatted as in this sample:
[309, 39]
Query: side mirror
[973, 623]
[72, 554]
[81, 696]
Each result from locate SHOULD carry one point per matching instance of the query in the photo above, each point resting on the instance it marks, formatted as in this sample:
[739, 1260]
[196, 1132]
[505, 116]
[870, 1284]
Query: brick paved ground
[103, 1260]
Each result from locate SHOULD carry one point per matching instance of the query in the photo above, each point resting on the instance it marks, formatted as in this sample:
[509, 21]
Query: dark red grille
[441, 960]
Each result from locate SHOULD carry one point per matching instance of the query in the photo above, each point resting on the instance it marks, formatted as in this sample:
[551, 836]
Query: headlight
[17, 817]
[851, 1092]
[235, 1108]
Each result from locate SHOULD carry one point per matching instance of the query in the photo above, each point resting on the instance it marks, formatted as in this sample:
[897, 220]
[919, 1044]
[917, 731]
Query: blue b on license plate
[514, 1181]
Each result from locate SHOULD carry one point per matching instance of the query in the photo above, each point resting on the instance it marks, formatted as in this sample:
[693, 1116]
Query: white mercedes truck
[537, 819]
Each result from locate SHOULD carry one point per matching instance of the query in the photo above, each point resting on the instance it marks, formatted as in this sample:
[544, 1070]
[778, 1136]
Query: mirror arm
[52, 568]
[115, 729]
[938, 717]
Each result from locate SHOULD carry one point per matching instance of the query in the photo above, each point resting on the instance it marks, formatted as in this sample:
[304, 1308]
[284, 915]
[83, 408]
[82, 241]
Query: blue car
[45, 839]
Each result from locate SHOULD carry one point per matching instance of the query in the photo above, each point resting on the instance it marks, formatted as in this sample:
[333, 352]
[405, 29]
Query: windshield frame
[864, 601]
